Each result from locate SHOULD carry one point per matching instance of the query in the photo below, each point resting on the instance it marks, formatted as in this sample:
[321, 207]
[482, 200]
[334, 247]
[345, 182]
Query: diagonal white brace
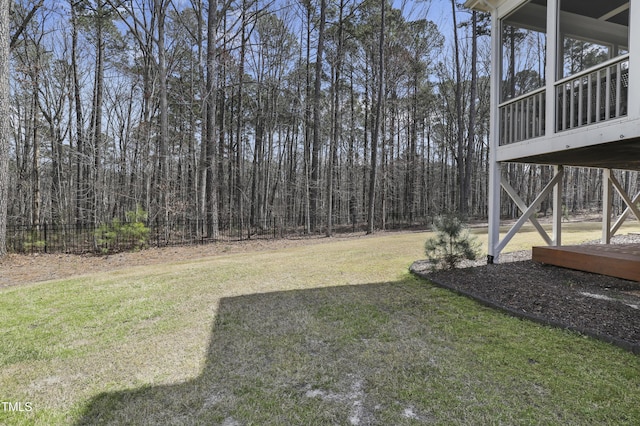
[625, 214]
[526, 215]
[523, 208]
[631, 204]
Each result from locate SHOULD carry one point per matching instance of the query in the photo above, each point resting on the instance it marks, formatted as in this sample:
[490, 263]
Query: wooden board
[615, 260]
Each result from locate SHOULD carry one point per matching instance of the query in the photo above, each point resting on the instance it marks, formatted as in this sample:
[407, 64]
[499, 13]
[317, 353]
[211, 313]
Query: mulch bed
[602, 307]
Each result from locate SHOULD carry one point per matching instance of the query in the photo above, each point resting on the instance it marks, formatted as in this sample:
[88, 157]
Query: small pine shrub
[130, 235]
[32, 243]
[451, 245]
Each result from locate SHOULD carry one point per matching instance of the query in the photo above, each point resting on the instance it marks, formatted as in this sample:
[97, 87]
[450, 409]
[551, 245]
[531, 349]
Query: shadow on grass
[295, 357]
[390, 353]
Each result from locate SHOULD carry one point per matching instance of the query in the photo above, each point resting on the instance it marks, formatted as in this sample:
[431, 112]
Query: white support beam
[606, 206]
[495, 171]
[552, 72]
[557, 179]
[614, 12]
[495, 168]
[557, 209]
[633, 109]
[523, 208]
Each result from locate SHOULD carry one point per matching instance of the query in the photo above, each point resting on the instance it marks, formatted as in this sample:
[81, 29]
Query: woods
[240, 114]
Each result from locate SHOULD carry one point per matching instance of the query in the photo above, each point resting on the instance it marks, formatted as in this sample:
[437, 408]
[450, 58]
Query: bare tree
[459, 142]
[4, 121]
[377, 124]
[6, 42]
[333, 149]
[315, 157]
[471, 136]
[210, 117]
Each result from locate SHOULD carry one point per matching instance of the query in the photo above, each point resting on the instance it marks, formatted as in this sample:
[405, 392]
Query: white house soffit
[594, 30]
[534, 17]
[504, 7]
[530, 16]
[614, 12]
[482, 5]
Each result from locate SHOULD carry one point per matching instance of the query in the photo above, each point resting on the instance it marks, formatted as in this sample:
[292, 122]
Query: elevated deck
[615, 260]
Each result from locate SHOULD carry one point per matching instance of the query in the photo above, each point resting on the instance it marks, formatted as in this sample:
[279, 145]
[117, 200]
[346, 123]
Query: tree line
[245, 112]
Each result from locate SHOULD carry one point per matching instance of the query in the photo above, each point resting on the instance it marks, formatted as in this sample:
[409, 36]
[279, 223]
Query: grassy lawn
[334, 333]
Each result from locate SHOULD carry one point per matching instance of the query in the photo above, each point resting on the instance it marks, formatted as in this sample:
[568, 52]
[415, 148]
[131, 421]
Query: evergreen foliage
[452, 243]
[133, 234]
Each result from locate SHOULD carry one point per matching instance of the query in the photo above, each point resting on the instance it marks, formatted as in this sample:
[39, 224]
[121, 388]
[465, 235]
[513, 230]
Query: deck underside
[621, 155]
[615, 260]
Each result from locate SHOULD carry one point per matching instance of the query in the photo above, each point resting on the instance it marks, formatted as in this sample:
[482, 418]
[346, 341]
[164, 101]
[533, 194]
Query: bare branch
[25, 22]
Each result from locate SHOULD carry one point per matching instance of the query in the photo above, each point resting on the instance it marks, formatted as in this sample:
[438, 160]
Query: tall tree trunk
[351, 161]
[35, 165]
[96, 118]
[239, 163]
[211, 160]
[162, 183]
[471, 136]
[221, 105]
[201, 172]
[315, 158]
[412, 172]
[462, 196]
[366, 172]
[333, 149]
[4, 122]
[307, 129]
[80, 190]
[376, 126]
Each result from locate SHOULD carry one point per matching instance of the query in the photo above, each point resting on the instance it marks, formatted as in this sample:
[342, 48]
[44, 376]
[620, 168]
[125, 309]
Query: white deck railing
[523, 117]
[592, 96]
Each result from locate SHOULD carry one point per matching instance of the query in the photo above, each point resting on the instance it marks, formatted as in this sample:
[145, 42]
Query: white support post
[557, 209]
[552, 66]
[606, 206]
[634, 59]
[495, 169]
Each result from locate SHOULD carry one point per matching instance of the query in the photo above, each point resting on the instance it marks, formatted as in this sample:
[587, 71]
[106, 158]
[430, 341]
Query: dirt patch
[16, 269]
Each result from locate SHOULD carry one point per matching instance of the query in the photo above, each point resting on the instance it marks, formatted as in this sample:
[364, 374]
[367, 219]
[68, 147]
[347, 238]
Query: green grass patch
[335, 333]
